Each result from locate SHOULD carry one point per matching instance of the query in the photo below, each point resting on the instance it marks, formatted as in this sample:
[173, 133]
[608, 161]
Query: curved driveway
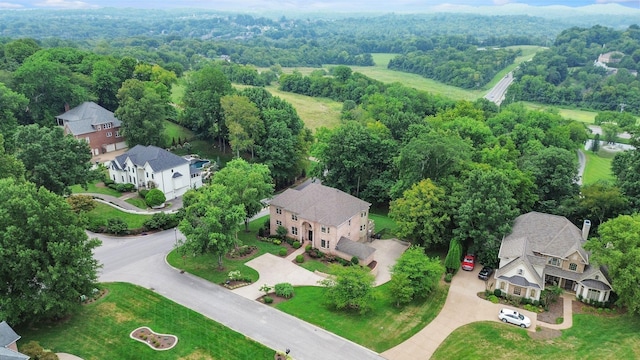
[141, 261]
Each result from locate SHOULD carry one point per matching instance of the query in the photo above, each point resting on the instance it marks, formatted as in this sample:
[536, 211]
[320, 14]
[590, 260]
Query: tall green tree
[248, 184]
[106, 84]
[486, 209]
[17, 51]
[211, 221]
[11, 105]
[421, 214]
[243, 122]
[350, 288]
[47, 260]
[454, 255]
[618, 248]
[423, 272]
[52, 159]
[602, 201]
[10, 166]
[626, 167]
[142, 112]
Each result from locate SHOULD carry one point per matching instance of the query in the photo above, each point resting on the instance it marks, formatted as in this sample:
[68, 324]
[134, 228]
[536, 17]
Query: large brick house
[94, 124]
[330, 220]
[545, 249]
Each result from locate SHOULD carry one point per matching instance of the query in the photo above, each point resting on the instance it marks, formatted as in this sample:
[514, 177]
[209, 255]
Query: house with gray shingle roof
[545, 249]
[330, 220]
[8, 343]
[94, 124]
[148, 167]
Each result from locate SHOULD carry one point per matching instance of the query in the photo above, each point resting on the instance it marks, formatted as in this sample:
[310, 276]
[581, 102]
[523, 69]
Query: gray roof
[595, 284]
[8, 354]
[545, 234]
[316, 202]
[83, 118]
[520, 261]
[520, 281]
[159, 159]
[353, 248]
[7, 335]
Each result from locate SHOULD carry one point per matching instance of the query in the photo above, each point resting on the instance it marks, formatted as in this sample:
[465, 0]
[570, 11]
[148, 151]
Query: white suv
[514, 317]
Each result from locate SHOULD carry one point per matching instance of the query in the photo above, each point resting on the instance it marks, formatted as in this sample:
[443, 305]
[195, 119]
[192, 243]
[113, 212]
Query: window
[279, 211]
[349, 222]
[532, 294]
[98, 127]
[118, 133]
[88, 140]
[147, 174]
[324, 229]
[597, 277]
[294, 230]
[502, 285]
[324, 243]
[361, 227]
[152, 175]
[520, 272]
[362, 214]
[593, 295]
[294, 217]
[109, 134]
[107, 126]
[573, 266]
[517, 290]
[554, 261]
[278, 222]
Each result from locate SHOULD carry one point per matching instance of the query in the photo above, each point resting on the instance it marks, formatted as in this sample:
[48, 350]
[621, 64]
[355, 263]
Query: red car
[469, 262]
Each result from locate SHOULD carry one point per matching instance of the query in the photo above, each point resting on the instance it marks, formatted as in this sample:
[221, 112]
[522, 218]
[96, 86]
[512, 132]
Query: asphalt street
[496, 94]
[141, 260]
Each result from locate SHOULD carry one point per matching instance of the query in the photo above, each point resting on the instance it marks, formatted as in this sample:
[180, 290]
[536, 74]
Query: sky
[295, 5]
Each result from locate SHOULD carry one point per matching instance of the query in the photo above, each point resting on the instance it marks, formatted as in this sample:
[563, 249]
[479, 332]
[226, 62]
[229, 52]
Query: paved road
[496, 94]
[582, 163]
[141, 261]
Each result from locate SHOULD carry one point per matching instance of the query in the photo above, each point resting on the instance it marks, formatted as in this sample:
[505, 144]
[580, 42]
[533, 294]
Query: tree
[626, 167]
[47, 260]
[423, 272]
[242, 119]
[10, 167]
[247, 184]
[211, 221]
[618, 248]
[350, 288]
[52, 159]
[400, 289]
[421, 214]
[155, 197]
[452, 260]
[142, 112]
[610, 132]
[17, 51]
[106, 84]
[485, 210]
[602, 201]
[81, 203]
[11, 105]
[595, 144]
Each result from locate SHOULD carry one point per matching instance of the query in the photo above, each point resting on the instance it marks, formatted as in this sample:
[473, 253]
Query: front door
[310, 235]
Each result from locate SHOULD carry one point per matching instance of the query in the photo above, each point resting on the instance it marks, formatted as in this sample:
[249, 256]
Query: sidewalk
[119, 203]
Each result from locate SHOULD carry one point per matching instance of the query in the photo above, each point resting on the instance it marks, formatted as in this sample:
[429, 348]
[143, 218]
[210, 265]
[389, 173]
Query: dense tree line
[566, 74]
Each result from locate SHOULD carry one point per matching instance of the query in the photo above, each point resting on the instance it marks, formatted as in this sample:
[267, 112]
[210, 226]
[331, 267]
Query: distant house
[330, 220]
[545, 249]
[94, 124]
[8, 343]
[148, 167]
[611, 57]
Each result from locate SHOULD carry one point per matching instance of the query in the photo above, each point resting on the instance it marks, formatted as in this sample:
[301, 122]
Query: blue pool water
[199, 164]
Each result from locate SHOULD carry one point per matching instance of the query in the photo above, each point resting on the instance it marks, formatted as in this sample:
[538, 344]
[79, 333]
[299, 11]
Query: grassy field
[382, 328]
[101, 330]
[92, 188]
[383, 222]
[175, 131]
[598, 167]
[137, 202]
[104, 212]
[584, 116]
[591, 337]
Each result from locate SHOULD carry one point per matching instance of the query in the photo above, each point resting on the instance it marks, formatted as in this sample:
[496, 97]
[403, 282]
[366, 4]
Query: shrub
[494, 299]
[143, 193]
[308, 248]
[261, 232]
[155, 197]
[296, 244]
[282, 252]
[497, 292]
[161, 221]
[116, 226]
[355, 260]
[268, 299]
[448, 277]
[284, 290]
[235, 275]
[81, 203]
[120, 187]
[300, 259]
[531, 308]
[107, 181]
[277, 241]
[281, 231]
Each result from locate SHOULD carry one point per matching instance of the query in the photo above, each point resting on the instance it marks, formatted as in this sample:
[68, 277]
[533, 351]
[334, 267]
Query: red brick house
[95, 124]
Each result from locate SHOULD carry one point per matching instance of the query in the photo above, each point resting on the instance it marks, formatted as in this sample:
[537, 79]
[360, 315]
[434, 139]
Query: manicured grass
[92, 188]
[591, 337]
[138, 202]
[383, 221]
[104, 212]
[101, 330]
[206, 266]
[207, 149]
[177, 91]
[174, 131]
[584, 116]
[380, 329]
[598, 167]
[313, 265]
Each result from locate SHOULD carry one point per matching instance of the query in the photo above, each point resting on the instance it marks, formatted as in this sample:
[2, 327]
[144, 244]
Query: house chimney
[66, 107]
[586, 226]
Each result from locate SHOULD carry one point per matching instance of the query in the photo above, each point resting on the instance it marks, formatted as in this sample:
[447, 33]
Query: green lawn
[138, 202]
[92, 188]
[598, 167]
[313, 265]
[383, 222]
[101, 330]
[584, 116]
[174, 131]
[206, 266]
[591, 337]
[104, 212]
[382, 328]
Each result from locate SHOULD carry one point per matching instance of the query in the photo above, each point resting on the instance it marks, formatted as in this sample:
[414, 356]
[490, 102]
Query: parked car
[514, 317]
[485, 273]
[469, 262]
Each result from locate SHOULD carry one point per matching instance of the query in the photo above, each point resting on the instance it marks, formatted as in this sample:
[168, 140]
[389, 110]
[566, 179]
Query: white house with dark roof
[545, 249]
[331, 220]
[94, 124]
[8, 343]
[148, 167]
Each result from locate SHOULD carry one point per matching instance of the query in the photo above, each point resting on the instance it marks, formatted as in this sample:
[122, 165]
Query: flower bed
[154, 340]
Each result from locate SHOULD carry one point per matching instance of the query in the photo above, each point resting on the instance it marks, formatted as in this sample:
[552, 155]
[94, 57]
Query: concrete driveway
[462, 307]
[387, 253]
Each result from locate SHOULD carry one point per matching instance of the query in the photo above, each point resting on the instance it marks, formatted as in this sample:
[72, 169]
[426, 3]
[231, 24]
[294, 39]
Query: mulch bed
[276, 299]
[102, 293]
[155, 341]
[556, 310]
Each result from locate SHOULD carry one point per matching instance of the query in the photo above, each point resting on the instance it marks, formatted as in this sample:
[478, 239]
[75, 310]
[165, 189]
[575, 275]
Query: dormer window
[294, 217]
[554, 261]
[597, 277]
[573, 267]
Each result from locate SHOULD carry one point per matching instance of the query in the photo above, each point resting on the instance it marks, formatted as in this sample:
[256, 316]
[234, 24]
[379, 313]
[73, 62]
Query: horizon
[305, 6]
